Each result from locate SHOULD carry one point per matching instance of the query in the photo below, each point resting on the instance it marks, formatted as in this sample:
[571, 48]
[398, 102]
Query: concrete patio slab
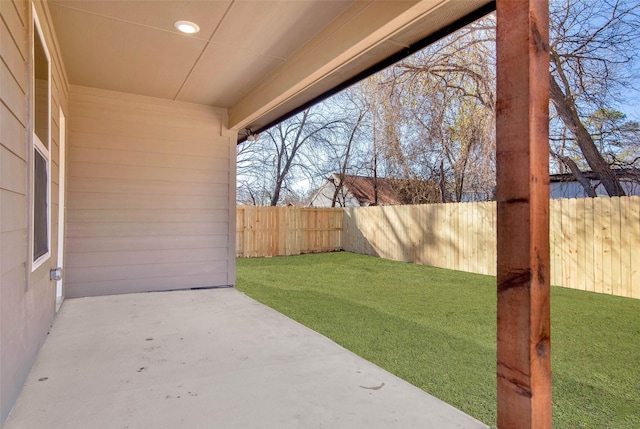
[209, 359]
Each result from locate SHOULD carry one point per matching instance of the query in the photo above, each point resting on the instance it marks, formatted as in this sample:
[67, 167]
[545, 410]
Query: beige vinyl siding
[27, 298]
[150, 191]
[13, 202]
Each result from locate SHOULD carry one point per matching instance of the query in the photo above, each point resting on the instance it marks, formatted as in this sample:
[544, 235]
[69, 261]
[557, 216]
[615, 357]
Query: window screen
[41, 90]
[40, 207]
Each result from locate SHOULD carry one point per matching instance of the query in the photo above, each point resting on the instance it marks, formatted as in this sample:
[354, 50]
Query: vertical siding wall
[27, 298]
[150, 203]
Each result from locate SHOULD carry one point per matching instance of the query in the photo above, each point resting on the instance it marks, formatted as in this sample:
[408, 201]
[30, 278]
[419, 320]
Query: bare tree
[438, 114]
[593, 51]
[438, 105]
[344, 167]
[253, 181]
[292, 156]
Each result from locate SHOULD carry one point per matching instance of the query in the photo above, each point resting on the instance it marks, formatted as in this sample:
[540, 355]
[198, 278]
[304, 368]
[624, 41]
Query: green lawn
[436, 329]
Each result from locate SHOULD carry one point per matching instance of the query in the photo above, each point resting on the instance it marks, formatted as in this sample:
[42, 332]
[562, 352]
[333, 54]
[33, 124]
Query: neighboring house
[355, 191]
[358, 191]
[566, 186]
[471, 196]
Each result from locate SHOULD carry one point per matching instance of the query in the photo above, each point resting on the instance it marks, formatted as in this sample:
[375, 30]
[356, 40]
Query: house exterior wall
[324, 197]
[574, 189]
[151, 195]
[27, 297]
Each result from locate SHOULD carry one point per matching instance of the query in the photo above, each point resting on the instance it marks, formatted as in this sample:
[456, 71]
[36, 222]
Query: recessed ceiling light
[187, 27]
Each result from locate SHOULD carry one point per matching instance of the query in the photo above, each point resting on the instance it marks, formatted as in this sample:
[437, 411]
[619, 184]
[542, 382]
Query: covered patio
[118, 136]
[209, 359]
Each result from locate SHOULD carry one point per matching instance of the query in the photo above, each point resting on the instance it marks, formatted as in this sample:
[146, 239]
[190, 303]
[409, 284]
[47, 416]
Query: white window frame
[44, 148]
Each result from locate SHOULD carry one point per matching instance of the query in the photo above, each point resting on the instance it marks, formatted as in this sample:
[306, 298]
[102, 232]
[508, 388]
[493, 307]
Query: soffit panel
[132, 46]
[224, 74]
[111, 54]
[158, 14]
[274, 29]
[439, 18]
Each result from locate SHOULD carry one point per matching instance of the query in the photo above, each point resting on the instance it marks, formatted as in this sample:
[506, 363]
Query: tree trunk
[589, 150]
[335, 194]
[345, 163]
[443, 189]
[580, 177]
[375, 168]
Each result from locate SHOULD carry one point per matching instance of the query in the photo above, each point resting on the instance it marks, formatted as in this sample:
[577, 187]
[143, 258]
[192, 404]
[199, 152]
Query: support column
[522, 157]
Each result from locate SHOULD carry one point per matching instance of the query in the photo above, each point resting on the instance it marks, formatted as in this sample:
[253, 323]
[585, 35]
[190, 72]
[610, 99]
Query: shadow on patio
[209, 358]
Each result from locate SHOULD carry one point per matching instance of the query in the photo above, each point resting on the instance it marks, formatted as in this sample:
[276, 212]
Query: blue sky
[632, 110]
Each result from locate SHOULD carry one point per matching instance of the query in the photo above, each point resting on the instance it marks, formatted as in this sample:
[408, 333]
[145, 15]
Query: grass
[435, 328]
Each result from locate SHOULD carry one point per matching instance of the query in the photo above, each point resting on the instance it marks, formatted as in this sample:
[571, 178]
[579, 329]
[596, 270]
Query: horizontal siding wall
[150, 192]
[13, 200]
[27, 298]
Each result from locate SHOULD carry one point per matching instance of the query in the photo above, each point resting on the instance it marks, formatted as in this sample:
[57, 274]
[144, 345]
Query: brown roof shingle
[364, 189]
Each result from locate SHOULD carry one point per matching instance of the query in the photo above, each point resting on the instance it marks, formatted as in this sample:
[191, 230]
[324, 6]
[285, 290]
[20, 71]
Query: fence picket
[580, 245]
[568, 267]
[606, 244]
[554, 242]
[633, 231]
[598, 234]
[589, 245]
[616, 242]
[625, 249]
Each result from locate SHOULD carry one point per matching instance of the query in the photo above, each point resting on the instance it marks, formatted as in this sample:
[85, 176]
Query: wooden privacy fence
[595, 245]
[454, 236]
[595, 242]
[286, 231]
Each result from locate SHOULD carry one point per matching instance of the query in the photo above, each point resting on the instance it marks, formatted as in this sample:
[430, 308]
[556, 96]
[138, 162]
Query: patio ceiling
[259, 59]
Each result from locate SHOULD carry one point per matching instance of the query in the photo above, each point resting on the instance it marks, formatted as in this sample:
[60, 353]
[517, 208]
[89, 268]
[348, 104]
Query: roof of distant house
[363, 189]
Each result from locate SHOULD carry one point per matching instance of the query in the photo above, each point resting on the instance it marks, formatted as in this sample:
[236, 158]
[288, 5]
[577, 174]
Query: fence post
[239, 232]
[633, 225]
[246, 234]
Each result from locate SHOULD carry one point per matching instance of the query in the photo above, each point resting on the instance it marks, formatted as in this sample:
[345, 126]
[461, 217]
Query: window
[41, 161]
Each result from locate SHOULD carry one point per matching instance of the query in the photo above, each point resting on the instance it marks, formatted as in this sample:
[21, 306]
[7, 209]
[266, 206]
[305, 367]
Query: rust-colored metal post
[522, 156]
